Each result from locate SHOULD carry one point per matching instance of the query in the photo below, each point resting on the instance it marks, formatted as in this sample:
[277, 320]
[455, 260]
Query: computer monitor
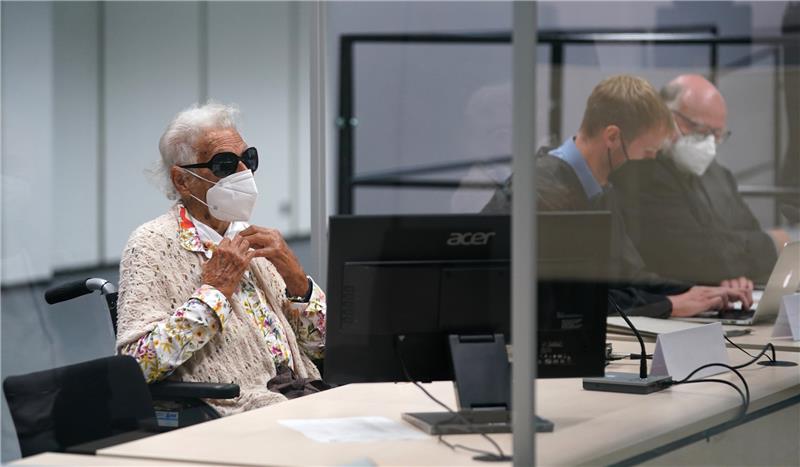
[425, 277]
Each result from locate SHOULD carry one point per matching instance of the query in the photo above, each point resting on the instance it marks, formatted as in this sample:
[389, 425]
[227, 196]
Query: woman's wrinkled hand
[225, 268]
[269, 244]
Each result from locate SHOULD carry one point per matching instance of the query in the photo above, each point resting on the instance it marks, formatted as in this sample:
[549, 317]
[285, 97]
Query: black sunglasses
[226, 163]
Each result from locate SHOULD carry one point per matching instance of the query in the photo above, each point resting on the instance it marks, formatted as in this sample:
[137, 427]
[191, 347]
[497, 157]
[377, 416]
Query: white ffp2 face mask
[231, 198]
[694, 153]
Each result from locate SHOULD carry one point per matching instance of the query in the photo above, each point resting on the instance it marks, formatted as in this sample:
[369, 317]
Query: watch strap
[301, 298]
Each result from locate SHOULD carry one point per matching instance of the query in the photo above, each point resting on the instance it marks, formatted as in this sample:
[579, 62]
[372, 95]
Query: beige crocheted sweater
[157, 275]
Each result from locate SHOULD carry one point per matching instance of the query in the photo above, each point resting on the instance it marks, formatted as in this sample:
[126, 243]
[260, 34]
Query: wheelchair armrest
[188, 389]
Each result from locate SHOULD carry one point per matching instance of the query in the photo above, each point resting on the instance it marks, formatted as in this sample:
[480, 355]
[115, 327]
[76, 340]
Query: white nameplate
[788, 322]
[679, 353]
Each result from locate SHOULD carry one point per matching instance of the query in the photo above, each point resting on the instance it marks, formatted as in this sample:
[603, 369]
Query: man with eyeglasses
[624, 120]
[683, 209]
[205, 296]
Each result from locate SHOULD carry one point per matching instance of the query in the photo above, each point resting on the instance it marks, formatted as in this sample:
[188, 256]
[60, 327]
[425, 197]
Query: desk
[60, 458]
[760, 334]
[591, 427]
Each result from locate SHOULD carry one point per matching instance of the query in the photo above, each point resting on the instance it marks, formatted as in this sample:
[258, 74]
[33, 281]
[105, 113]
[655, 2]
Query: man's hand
[742, 283]
[699, 299]
[738, 283]
[269, 243]
[225, 268]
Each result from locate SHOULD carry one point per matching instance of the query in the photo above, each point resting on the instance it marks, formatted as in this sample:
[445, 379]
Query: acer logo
[469, 238]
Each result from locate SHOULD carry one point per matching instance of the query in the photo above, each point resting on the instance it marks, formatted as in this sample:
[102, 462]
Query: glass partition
[675, 120]
[666, 165]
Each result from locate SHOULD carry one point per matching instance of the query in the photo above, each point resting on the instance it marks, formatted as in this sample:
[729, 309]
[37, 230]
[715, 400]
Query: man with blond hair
[625, 120]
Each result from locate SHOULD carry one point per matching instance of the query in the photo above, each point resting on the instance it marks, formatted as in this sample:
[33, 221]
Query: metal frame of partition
[524, 308]
[347, 122]
[319, 204]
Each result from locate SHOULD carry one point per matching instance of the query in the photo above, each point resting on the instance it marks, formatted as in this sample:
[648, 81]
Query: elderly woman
[204, 296]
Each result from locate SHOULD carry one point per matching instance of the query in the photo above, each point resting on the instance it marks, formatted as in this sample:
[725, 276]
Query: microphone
[629, 382]
[643, 354]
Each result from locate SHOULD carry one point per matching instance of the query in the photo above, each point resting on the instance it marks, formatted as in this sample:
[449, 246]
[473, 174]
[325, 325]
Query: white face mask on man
[231, 198]
[694, 153]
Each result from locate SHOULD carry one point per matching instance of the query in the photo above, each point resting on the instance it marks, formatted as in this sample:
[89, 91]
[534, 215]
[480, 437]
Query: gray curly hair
[182, 134]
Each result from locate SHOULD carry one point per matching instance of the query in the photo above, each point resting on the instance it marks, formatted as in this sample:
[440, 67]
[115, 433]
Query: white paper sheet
[352, 429]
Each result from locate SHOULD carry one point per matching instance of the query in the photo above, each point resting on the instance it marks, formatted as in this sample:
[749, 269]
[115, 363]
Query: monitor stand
[482, 380]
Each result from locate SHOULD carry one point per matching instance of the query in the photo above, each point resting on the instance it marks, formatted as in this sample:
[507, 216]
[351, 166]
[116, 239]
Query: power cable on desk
[687, 380]
[755, 358]
[636, 356]
[745, 396]
[489, 456]
[773, 361]
[624, 356]
[735, 369]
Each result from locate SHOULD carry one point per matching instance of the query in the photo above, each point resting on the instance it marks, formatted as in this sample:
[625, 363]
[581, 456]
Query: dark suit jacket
[558, 189]
[692, 228]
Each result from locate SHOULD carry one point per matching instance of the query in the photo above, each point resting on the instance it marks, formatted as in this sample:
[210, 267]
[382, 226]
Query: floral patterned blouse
[204, 314]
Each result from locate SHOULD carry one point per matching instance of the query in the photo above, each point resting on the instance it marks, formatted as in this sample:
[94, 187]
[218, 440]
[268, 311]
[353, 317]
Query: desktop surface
[591, 427]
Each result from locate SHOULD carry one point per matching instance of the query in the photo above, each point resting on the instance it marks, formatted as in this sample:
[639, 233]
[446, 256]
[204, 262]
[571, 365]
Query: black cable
[734, 369]
[442, 404]
[614, 357]
[636, 356]
[745, 400]
[466, 448]
[491, 456]
[737, 346]
[744, 395]
[755, 358]
[623, 356]
[724, 365]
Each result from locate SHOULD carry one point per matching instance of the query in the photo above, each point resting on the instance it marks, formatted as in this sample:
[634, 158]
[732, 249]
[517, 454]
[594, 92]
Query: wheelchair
[106, 399]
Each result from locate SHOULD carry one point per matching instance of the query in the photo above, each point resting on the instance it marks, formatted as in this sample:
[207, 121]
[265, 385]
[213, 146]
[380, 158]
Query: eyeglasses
[720, 134]
[226, 163]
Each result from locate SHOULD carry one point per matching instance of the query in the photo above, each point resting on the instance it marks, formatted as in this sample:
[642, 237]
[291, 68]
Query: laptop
[784, 280]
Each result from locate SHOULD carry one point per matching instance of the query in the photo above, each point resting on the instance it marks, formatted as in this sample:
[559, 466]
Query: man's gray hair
[177, 144]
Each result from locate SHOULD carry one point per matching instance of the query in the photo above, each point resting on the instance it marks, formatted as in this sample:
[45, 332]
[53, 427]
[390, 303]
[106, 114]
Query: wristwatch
[301, 298]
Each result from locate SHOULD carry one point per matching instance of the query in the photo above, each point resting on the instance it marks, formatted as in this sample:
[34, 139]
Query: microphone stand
[629, 383]
[643, 354]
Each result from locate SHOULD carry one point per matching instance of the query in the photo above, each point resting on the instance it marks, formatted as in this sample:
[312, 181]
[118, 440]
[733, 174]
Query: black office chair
[177, 403]
[101, 402]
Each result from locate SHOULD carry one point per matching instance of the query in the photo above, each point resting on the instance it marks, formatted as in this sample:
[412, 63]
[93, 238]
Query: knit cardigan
[157, 275]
